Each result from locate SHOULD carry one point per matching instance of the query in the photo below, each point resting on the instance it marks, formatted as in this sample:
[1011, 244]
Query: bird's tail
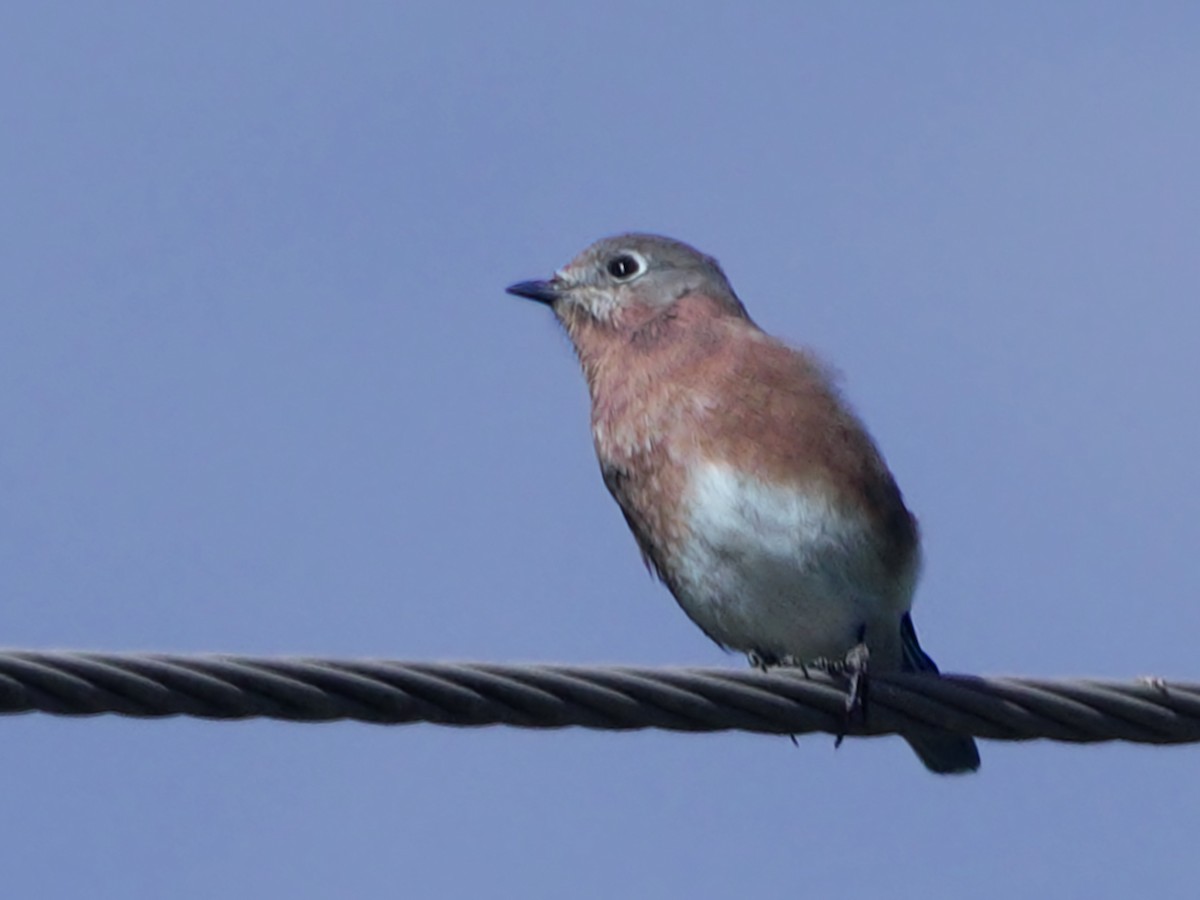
[941, 751]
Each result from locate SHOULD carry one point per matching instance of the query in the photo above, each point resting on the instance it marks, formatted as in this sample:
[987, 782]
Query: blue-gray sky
[262, 392]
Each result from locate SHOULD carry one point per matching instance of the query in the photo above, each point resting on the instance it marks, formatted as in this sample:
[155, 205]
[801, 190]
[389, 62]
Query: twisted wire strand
[782, 701]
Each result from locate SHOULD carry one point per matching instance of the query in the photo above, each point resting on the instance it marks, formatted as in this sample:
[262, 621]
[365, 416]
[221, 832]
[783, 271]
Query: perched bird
[753, 491]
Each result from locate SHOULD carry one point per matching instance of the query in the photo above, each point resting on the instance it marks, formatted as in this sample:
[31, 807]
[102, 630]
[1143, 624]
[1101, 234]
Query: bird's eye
[624, 267]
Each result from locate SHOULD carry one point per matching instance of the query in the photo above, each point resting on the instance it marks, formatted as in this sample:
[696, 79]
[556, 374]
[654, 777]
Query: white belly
[780, 570]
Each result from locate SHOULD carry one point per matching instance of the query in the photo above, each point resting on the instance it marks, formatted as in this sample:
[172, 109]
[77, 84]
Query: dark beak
[541, 291]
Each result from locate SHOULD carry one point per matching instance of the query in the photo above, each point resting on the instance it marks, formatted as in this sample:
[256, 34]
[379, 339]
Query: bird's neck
[641, 343]
[646, 369]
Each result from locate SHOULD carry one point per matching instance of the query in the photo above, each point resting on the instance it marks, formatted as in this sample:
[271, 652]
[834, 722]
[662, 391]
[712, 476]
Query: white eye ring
[625, 265]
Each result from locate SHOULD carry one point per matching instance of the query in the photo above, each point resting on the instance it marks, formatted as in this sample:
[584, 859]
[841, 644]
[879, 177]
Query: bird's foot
[1154, 681]
[856, 666]
[762, 660]
[853, 667]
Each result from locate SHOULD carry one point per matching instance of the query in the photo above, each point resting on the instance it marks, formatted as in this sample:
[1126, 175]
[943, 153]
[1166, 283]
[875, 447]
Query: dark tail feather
[941, 751]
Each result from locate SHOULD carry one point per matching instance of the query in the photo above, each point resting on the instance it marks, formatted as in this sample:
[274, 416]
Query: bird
[753, 490]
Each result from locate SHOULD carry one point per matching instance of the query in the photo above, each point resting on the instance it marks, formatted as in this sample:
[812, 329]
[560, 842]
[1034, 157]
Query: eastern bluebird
[754, 492]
